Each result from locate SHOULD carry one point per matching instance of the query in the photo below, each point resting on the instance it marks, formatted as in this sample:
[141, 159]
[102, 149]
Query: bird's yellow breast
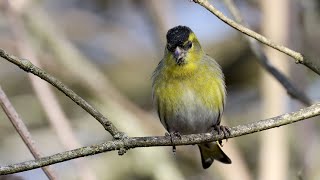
[177, 88]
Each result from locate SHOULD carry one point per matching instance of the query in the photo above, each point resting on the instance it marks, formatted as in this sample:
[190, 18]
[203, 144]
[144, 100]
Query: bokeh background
[106, 51]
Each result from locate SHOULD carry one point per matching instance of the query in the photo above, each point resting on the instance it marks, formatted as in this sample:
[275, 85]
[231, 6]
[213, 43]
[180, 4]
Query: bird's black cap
[178, 35]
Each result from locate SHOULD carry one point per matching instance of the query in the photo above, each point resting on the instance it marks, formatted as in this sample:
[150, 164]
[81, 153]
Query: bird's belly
[190, 115]
[191, 121]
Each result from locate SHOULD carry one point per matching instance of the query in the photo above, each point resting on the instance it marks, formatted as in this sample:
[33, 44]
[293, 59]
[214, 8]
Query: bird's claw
[222, 129]
[176, 134]
[172, 135]
[167, 135]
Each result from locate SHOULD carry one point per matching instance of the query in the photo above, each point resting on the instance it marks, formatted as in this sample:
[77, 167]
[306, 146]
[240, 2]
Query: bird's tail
[210, 152]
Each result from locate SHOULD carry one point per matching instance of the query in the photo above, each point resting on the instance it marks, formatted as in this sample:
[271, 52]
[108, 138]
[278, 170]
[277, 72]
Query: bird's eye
[188, 45]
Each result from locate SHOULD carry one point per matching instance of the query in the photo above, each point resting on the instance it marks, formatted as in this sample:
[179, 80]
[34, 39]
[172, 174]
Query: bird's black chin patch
[180, 56]
[180, 61]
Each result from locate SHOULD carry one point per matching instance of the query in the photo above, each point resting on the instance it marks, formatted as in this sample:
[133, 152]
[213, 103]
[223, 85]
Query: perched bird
[189, 92]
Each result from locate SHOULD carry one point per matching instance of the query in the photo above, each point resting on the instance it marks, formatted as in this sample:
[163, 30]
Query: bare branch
[57, 118]
[299, 58]
[23, 131]
[262, 58]
[27, 66]
[134, 142]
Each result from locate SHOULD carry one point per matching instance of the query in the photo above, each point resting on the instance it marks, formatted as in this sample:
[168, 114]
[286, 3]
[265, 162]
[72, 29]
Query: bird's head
[182, 45]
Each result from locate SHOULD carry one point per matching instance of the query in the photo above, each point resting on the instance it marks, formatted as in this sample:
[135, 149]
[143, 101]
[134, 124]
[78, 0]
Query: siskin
[189, 92]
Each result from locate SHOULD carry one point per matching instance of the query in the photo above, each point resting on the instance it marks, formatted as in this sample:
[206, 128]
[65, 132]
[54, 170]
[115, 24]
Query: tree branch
[27, 66]
[262, 58]
[299, 58]
[134, 142]
[23, 131]
[57, 118]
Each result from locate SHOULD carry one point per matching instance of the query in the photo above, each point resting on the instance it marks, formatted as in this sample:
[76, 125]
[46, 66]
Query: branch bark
[262, 58]
[299, 58]
[27, 66]
[134, 142]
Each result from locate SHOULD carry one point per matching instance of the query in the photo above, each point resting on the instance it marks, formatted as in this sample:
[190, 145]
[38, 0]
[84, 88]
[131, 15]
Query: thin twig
[134, 142]
[23, 131]
[262, 58]
[299, 58]
[27, 66]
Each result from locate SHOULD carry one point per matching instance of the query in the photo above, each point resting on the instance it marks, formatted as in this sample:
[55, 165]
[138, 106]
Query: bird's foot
[222, 129]
[172, 135]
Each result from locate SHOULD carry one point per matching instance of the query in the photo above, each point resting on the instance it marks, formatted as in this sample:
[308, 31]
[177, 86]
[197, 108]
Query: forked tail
[210, 152]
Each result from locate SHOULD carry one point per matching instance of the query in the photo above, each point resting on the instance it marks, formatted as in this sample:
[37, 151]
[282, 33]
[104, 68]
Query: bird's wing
[216, 71]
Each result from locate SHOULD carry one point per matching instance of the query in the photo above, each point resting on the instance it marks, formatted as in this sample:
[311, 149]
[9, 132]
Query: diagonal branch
[299, 58]
[27, 66]
[23, 131]
[134, 142]
[262, 58]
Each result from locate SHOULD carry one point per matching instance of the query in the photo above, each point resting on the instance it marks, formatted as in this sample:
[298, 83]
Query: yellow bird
[189, 92]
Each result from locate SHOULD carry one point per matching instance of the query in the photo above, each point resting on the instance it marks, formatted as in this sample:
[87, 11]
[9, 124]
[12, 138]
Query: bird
[189, 92]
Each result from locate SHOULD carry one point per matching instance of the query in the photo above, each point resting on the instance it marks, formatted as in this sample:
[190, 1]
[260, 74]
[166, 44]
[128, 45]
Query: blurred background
[106, 52]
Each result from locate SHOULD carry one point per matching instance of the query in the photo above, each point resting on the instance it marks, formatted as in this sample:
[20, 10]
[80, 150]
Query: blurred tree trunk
[274, 143]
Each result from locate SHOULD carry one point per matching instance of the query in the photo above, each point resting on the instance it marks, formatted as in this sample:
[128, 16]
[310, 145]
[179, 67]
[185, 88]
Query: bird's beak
[179, 55]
